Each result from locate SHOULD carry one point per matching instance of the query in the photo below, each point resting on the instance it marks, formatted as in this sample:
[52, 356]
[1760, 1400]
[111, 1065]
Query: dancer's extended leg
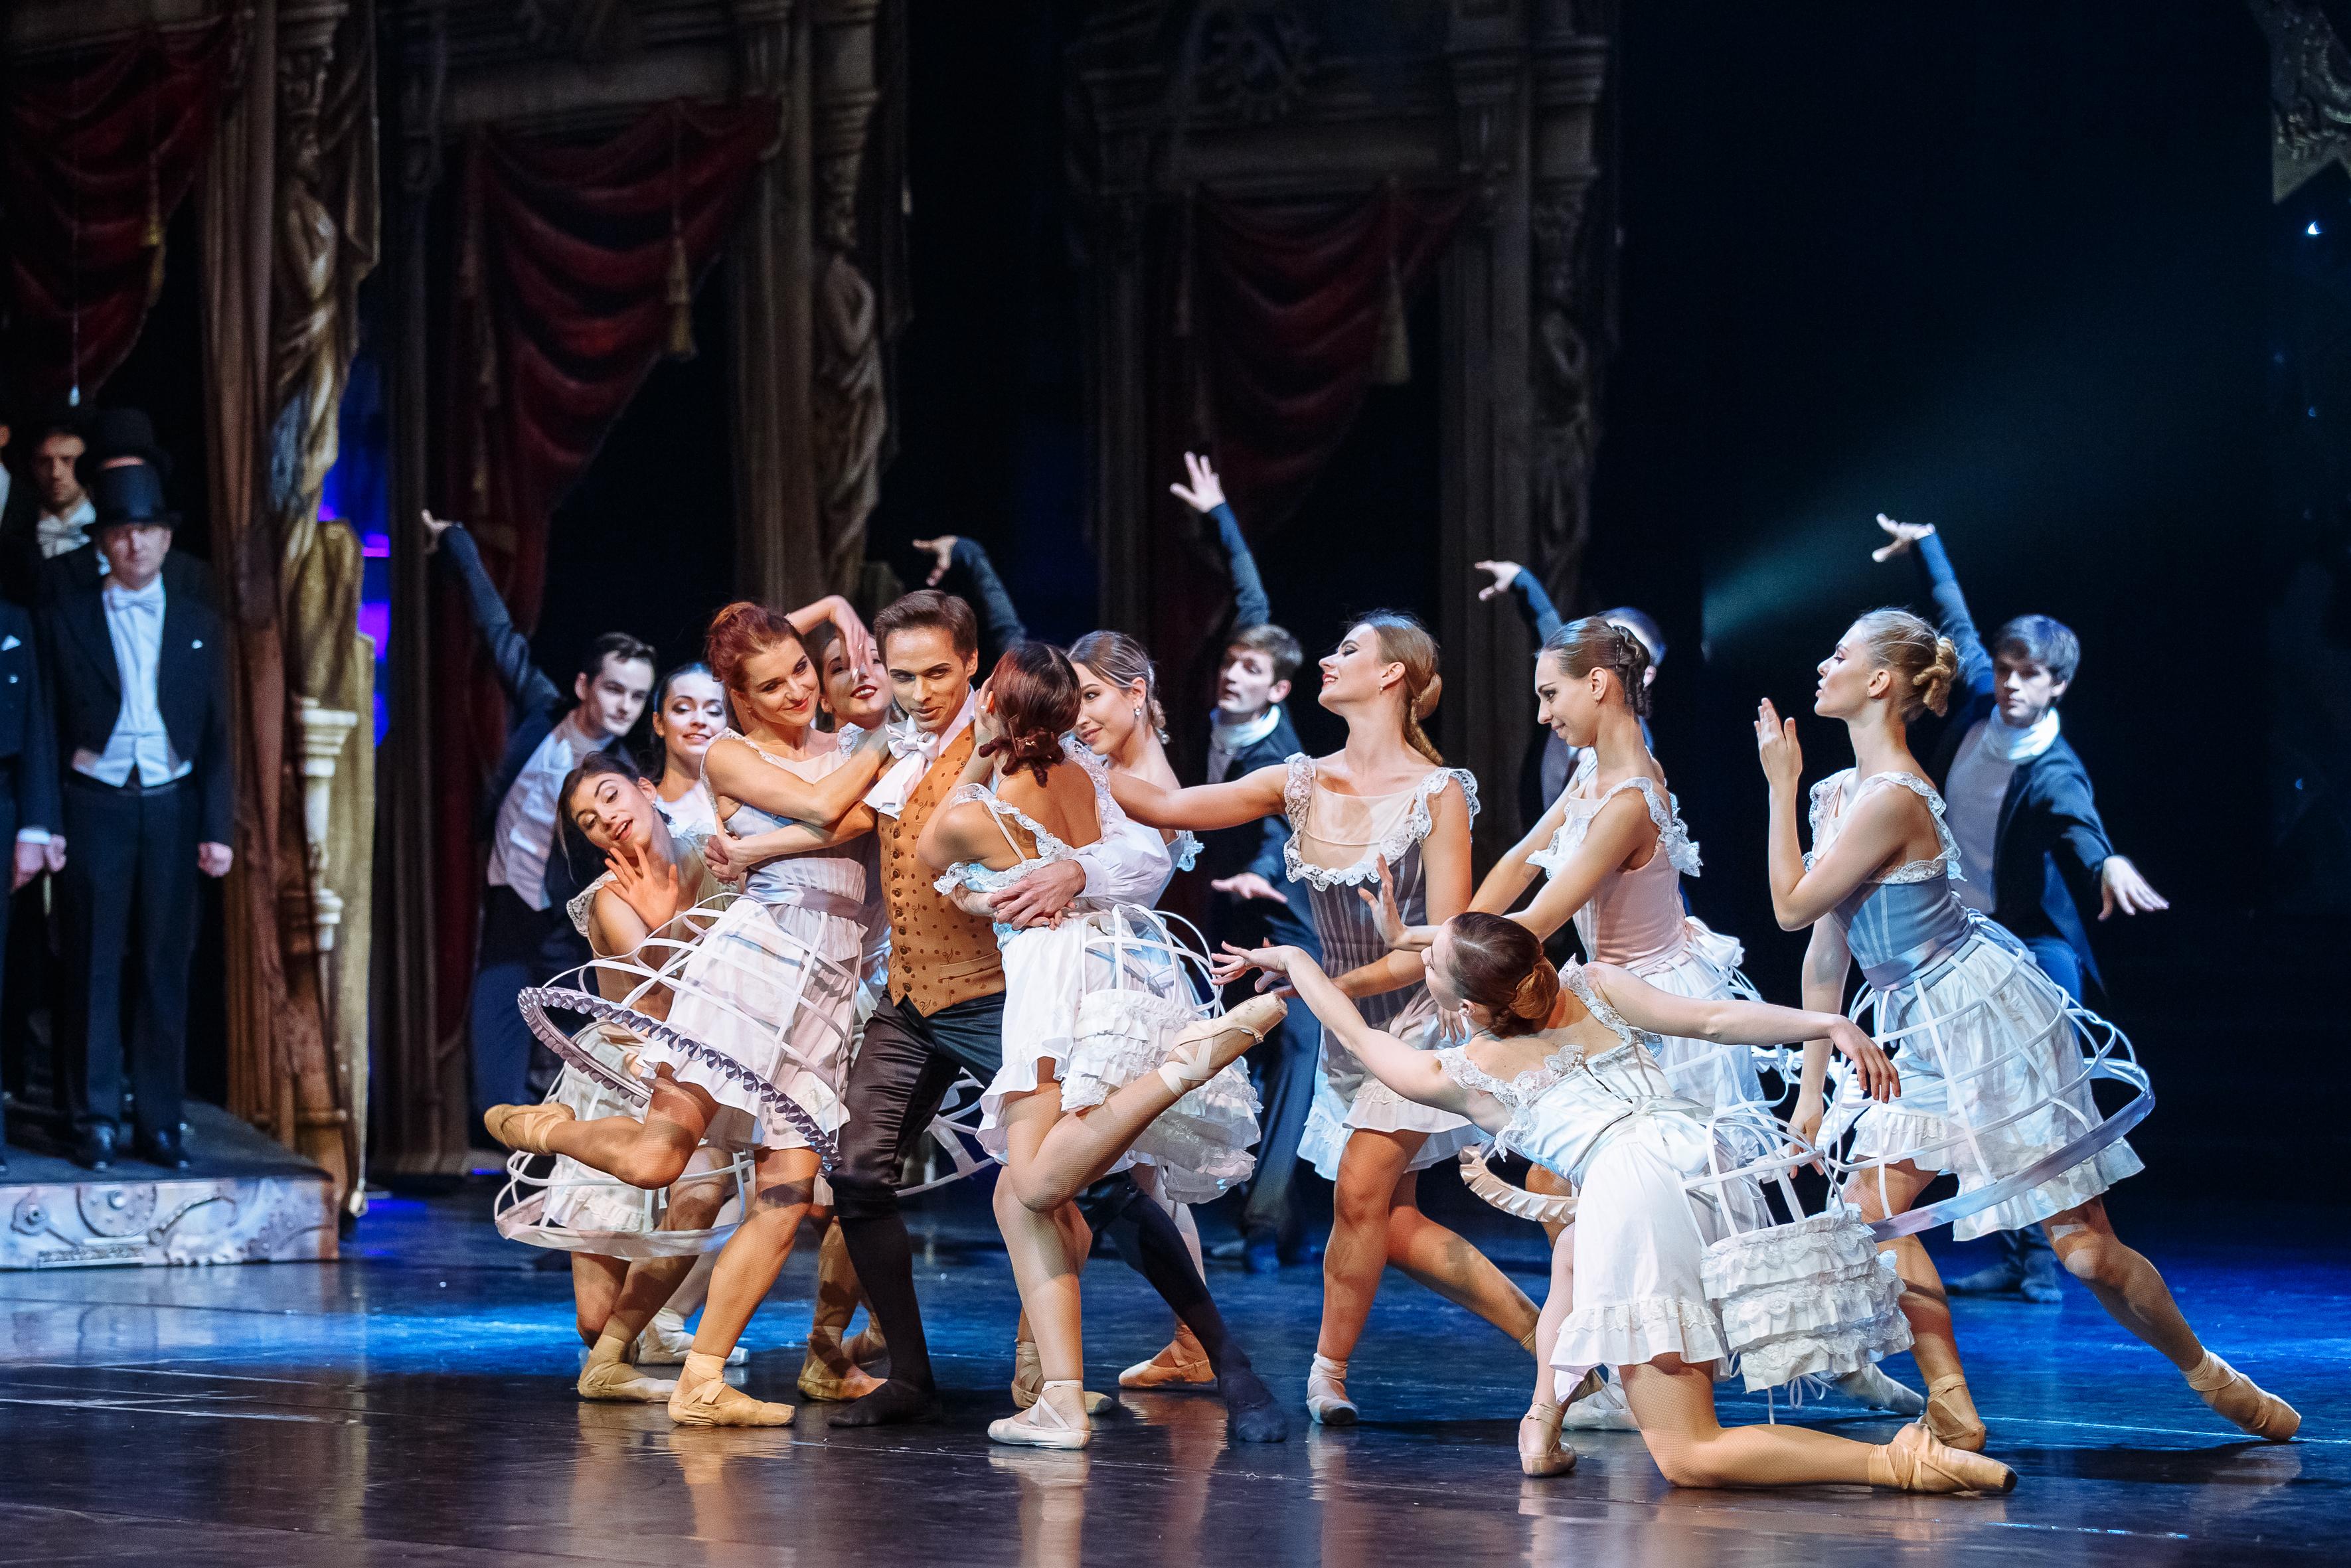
[747, 1270]
[1370, 1168]
[1443, 1262]
[2135, 1295]
[649, 1152]
[1950, 1410]
[1673, 1403]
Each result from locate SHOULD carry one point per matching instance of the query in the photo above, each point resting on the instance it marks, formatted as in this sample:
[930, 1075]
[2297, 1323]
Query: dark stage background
[2004, 268]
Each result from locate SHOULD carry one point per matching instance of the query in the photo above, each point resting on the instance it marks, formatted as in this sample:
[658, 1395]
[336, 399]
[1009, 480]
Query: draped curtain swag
[92, 165]
[568, 259]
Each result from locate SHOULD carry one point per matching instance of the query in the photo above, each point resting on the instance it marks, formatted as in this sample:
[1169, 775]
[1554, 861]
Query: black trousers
[904, 1067]
[1285, 1067]
[126, 906]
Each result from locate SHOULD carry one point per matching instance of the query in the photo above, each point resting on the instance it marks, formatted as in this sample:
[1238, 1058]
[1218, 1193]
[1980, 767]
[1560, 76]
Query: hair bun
[1934, 682]
[1537, 994]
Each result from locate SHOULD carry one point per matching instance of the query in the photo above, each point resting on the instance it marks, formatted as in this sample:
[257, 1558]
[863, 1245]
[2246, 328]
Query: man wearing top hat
[134, 655]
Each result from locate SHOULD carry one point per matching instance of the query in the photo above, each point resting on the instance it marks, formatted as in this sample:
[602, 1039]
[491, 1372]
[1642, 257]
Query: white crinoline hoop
[2105, 1054]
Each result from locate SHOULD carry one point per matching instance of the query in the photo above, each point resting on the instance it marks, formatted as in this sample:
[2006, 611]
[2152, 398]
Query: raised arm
[1202, 491]
[843, 616]
[1000, 623]
[1203, 808]
[1873, 832]
[1921, 541]
[1541, 616]
[1735, 1022]
[740, 773]
[525, 684]
[1414, 1075]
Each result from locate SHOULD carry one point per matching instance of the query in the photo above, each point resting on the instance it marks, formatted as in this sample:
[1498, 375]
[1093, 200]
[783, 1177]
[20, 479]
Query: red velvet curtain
[1286, 316]
[574, 266]
[92, 165]
[1274, 325]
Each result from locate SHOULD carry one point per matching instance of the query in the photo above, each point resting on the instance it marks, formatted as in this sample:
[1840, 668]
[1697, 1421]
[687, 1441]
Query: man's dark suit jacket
[2050, 842]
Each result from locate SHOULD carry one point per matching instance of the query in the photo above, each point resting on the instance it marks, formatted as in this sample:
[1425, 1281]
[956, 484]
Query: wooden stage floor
[411, 1404]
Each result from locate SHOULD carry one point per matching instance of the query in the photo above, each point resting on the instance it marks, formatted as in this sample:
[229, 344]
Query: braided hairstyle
[1498, 964]
[1596, 642]
[1404, 641]
[1034, 695]
[1923, 663]
[1122, 661]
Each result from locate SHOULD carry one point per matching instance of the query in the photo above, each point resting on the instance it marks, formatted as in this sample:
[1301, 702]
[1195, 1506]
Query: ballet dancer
[1385, 796]
[689, 711]
[1563, 1067]
[944, 1013]
[1250, 729]
[1096, 1057]
[586, 1203]
[768, 996]
[2033, 847]
[1550, 761]
[1994, 1081]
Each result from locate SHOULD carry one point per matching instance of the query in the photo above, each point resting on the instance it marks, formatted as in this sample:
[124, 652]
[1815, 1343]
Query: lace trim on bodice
[1184, 849]
[584, 902]
[1674, 842]
[972, 874]
[1572, 977]
[1514, 1093]
[1830, 805]
[1298, 798]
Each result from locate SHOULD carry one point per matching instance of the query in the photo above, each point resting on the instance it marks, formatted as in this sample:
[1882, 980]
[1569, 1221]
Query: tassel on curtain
[96, 153]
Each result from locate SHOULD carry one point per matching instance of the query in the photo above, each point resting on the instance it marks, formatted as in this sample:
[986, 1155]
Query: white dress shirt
[525, 825]
[1977, 789]
[58, 533]
[1227, 741]
[134, 625]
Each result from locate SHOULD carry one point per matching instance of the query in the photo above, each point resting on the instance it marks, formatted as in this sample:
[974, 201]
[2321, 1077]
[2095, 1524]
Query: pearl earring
[1138, 715]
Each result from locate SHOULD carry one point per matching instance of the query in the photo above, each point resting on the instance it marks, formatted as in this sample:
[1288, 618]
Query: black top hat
[130, 493]
[114, 433]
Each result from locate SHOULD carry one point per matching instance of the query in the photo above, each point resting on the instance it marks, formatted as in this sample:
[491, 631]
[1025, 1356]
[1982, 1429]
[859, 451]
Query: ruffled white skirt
[771, 992]
[1991, 1053]
[1661, 1272]
[1348, 1100]
[1067, 1016]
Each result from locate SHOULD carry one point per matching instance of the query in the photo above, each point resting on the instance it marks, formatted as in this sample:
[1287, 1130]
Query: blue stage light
[2313, 229]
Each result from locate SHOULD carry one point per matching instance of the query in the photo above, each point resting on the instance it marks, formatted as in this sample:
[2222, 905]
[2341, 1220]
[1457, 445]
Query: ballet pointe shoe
[1326, 1393]
[1206, 1048]
[2241, 1401]
[828, 1372]
[1057, 1420]
[704, 1398]
[1871, 1387]
[1598, 1405]
[609, 1375]
[1184, 1362]
[525, 1127]
[1950, 1414]
[1918, 1461]
[1540, 1453]
[1028, 1379]
[667, 1341]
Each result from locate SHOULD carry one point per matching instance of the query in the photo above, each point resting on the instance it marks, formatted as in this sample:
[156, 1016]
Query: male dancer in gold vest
[944, 1012]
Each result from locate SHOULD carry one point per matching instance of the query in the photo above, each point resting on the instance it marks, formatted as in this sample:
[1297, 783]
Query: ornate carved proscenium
[2310, 93]
[325, 732]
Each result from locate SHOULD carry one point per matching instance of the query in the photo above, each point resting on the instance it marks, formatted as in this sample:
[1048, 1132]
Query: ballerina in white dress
[1103, 1035]
[1679, 1265]
[689, 712]
[757, 1027]
[1386, 796]
[1996, 1062]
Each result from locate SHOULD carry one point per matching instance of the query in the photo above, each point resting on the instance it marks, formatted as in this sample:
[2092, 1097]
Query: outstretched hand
[1903, 536]
[1386, 911]
[1205, 493]
[1248, 886]
[942, 551]
[1233, 962]
[2120, 886]
[1777, 749]
[434, 528]
[649, 887]
[1505, 573]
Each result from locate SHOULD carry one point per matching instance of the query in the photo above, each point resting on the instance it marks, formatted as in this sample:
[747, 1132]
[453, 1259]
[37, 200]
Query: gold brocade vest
[938, 954]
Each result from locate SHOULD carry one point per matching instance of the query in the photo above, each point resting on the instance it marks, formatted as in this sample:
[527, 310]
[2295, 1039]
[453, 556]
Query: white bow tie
[150, 598]
[908, 738]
